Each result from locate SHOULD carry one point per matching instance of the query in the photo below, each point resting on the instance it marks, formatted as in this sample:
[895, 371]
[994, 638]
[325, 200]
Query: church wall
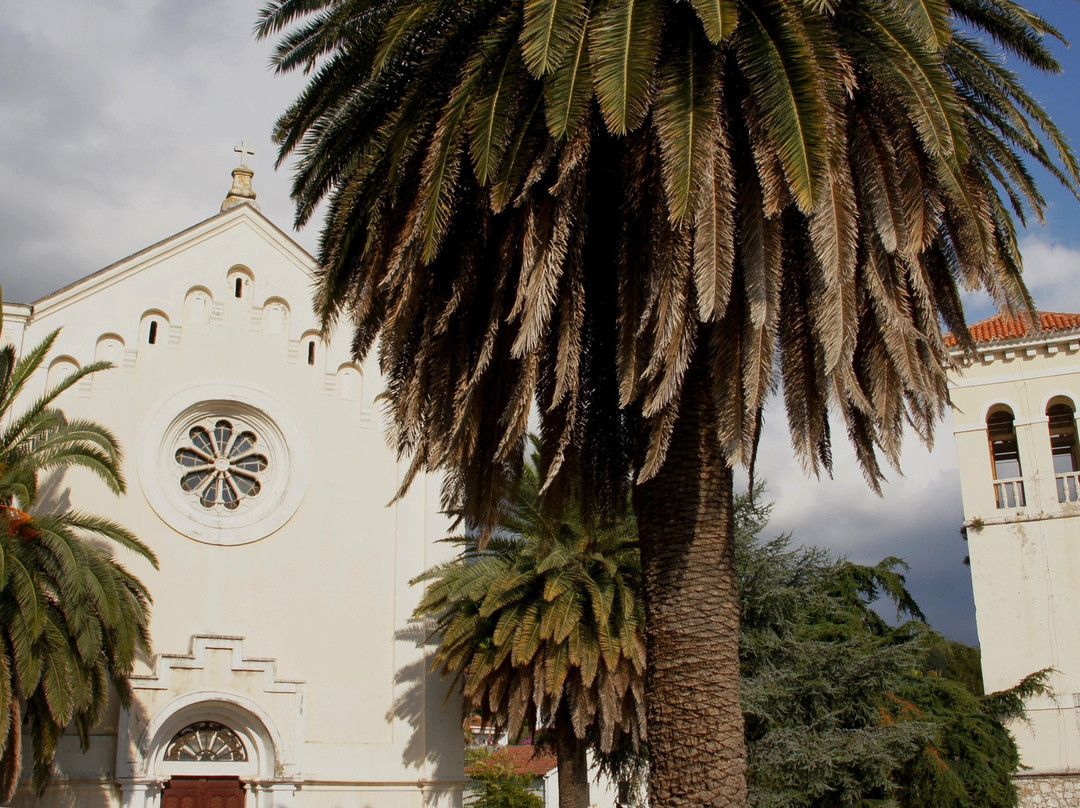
[323, 596]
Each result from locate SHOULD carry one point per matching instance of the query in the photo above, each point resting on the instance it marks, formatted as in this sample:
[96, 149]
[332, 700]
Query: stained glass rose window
[222, 465]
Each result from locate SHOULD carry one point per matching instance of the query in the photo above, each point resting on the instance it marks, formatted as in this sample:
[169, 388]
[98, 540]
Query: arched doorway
[209, 750]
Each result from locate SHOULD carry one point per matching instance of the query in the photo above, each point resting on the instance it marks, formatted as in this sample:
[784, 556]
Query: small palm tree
[546, 621]
[72, 619]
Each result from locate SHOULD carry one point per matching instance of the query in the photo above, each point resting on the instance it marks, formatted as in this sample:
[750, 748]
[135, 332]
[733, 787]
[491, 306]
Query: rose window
[223, 464]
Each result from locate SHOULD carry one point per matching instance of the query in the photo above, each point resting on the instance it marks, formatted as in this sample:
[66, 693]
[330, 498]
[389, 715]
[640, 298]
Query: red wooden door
[203, 792]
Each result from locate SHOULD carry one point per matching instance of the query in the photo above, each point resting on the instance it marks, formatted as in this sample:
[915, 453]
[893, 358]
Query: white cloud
[1052, 272]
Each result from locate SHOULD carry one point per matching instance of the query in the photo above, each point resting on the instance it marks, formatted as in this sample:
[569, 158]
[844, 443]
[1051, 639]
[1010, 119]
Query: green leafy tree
[546, 620]
[496, 785]
[72, 619]
[608, 211]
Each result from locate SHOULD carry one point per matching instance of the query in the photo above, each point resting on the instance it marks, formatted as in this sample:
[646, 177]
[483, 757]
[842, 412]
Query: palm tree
[546, 620]
[637, 219]
[72, 619]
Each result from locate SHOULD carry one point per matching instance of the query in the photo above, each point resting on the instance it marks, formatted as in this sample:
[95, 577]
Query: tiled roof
[524, 759]
[1003, 326]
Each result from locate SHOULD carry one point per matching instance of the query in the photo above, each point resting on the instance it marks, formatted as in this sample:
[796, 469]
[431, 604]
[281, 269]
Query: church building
[1014, 416]
[287, 670]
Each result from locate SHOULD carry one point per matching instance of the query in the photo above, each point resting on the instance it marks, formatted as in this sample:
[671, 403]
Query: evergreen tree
[844, 709]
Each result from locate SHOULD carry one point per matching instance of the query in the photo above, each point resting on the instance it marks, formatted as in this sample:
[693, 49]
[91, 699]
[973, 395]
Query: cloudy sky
[117, 123]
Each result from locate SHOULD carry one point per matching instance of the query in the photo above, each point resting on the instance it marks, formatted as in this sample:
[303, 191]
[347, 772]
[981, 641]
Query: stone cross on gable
[245, 151]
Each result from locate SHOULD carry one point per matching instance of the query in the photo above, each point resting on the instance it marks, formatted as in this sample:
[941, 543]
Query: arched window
[206, 741]
[311, 352]
[1005, 454]
[151, 336]
[1062, 422]
[238, 286]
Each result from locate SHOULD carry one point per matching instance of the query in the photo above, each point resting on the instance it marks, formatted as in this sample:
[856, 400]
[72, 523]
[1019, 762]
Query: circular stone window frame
[284, 483]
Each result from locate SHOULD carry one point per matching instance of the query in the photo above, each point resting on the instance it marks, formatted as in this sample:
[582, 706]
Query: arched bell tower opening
[1005, 456]
[1061, 420]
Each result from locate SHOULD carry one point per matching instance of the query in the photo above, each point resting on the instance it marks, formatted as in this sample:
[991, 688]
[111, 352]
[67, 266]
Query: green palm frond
[779, 61]
[624, 41]
[718, 17]
[685, 117]
[930, 21]
[553, 28]
[568, 87]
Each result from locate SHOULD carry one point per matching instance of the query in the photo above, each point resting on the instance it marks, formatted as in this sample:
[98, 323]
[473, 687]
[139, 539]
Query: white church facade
[1014, 415]
[288, 671]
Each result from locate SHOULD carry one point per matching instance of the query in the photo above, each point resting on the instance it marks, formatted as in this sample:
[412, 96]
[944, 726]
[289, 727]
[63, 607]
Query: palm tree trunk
[695, 722]
[573, 762]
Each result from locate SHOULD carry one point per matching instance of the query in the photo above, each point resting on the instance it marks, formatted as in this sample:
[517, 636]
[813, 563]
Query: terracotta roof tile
[524, 759]
[1002, 326]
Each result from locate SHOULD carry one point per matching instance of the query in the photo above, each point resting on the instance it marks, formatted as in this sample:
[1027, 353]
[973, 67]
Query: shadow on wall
[81, 779]
[420, 693]
[53, 495]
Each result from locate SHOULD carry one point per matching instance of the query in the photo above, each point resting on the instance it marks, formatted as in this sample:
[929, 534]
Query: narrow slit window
[311, 352]
[151, 336]
[238, 287]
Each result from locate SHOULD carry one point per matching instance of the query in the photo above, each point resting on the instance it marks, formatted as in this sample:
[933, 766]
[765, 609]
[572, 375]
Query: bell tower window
[1005, 455]
[1063, 448]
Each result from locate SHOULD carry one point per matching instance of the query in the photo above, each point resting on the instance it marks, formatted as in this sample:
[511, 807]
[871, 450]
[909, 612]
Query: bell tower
[1014, 413]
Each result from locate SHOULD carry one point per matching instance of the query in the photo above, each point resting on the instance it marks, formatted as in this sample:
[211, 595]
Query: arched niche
[109, 348]
[60, 368]
[349, 381]
[275, 317]
[996, 406]
[197, 305]
[153, 328]
[240, 284]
